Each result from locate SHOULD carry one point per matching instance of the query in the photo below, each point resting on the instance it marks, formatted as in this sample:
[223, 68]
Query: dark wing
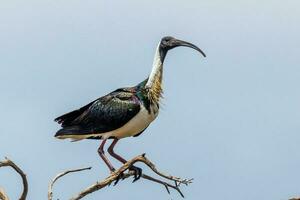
[102, 115]
[68, 118]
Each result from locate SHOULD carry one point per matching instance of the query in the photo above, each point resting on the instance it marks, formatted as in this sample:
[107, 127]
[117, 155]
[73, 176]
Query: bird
[125, 112]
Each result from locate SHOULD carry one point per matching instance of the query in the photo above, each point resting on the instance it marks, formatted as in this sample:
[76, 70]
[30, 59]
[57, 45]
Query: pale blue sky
[230, 121]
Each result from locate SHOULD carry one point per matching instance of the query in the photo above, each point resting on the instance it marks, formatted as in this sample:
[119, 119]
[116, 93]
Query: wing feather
[102, 115]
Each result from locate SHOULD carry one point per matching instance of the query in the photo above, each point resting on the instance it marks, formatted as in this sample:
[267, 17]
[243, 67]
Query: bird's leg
[137, 170]
[104, 158]
[110, 150]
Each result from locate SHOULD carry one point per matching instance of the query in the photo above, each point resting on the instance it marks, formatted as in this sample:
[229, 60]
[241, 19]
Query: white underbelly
[134, 126]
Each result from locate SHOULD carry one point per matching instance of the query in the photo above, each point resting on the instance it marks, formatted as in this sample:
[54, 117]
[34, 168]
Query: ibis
[122, 113]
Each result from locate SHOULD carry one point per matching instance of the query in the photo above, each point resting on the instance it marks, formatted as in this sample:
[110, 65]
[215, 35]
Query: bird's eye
[166, 41]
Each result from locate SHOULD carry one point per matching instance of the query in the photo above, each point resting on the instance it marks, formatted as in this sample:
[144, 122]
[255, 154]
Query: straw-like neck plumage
[154, 82]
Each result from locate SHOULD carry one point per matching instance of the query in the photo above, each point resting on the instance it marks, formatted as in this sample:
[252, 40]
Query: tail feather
[72, 130]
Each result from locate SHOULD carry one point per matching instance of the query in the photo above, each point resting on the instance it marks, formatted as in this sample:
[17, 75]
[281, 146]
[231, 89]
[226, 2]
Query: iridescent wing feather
[105, 114]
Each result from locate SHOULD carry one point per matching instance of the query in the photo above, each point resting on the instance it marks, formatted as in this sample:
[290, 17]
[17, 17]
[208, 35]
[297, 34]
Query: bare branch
[99, 185]
[50, 188]
[3, 195]
[167, 185]
[177, 180]
[9, 163]
[115, 176]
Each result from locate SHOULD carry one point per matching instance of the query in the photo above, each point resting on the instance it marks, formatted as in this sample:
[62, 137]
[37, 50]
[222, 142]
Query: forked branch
[114, 177]
[107, 181]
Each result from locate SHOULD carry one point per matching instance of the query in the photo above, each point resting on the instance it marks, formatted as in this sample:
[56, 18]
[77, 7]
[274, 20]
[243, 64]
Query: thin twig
[115, 176]
[3, 195]
[167, 185]
[177, 180]
[8, 163]
[50, 188]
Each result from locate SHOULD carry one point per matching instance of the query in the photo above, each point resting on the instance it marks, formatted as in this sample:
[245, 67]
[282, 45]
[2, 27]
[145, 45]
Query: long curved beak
[187, 44]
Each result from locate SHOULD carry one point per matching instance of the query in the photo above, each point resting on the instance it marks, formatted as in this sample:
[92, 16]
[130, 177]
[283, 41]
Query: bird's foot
[137, 172]
[121, 176]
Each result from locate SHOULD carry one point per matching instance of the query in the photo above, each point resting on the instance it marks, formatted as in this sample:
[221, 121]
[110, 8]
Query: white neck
[156, 68]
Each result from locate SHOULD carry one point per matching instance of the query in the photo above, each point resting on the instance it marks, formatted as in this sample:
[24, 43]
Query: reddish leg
[137, 171]
[104, 158]
[113, 154]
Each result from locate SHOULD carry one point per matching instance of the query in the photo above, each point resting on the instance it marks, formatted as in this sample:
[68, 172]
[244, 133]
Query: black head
[169, 42]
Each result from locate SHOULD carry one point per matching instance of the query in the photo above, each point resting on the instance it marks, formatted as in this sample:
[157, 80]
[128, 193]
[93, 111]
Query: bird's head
[169, 42]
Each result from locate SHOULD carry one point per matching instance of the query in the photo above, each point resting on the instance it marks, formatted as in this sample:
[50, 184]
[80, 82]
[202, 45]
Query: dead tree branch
[50, 188]
[106, 182]
[114, 177]
[3, 195]
[8, 163]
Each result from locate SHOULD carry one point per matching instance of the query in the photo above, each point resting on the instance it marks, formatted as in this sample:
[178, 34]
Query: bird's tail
[73, 132]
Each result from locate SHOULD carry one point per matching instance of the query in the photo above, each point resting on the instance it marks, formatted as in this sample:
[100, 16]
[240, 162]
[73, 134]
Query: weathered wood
[120, 173]
[8, 163]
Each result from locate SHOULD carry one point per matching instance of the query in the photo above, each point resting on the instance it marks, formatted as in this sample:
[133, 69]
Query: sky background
[230, 121]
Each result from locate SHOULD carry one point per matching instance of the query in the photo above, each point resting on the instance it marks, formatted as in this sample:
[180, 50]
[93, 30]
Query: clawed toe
[121, 176]
[137, 172]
